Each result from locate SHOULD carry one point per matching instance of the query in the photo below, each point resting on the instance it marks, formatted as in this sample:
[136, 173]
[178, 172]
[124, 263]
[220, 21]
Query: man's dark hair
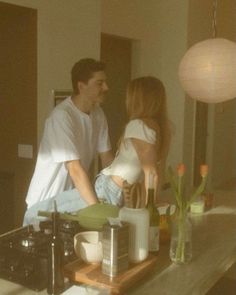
[83, 70]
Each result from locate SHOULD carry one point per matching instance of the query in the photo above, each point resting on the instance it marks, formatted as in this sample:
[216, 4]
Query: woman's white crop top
[126, 163]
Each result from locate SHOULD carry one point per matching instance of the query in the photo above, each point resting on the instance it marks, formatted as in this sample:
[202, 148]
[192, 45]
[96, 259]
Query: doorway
[223, 146]
[116, 52]
[215, 144]
[200, 155]
[18, 108]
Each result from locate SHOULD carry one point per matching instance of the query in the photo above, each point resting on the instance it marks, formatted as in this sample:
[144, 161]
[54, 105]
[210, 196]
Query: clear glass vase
[181, 240]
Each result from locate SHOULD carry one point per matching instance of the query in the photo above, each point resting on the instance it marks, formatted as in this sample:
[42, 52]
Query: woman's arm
[106, 158]
[148, 158]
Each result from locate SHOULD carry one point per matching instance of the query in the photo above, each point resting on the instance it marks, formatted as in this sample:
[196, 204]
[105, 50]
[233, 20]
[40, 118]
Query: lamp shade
[207, 72]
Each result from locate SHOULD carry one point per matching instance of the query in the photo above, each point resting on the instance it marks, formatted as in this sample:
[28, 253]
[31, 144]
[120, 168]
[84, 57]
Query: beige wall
[159, 31]
[67, 31]
[162, 31]
[221, 143]
[199, 28]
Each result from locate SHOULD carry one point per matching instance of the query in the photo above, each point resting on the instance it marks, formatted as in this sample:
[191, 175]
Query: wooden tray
[91, 274]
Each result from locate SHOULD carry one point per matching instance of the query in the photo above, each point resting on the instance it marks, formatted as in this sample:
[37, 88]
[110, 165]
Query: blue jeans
[71, 201]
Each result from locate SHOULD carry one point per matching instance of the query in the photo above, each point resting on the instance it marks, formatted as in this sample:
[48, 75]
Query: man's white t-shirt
[126, 163]
[69, 134]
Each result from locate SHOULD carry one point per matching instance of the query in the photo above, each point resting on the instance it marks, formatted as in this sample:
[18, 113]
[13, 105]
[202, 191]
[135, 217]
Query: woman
[142, 150]
[143, 147]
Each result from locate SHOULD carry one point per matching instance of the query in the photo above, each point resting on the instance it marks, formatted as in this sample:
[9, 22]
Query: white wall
[223, 137]
[162, 31]
[67, 31]
[221, 117]
[159, 29]
[199, 28]
[70, 30]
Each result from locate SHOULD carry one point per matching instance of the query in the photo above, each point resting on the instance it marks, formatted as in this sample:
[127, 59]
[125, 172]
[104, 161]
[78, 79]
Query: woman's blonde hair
[146, 100]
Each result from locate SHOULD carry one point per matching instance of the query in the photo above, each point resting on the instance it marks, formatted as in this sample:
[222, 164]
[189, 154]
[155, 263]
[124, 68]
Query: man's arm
[81, 181]
[106, 158]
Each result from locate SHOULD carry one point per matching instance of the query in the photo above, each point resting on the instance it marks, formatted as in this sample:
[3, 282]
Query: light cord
[214, 19]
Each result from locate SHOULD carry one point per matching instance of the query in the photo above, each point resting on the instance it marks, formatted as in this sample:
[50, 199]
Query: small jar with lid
[198, 206]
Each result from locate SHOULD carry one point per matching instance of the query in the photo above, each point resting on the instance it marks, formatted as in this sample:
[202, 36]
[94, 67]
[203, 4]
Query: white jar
[139, 228]
[197, 207]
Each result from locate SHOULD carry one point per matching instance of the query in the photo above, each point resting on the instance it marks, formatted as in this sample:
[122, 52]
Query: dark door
[18, 107]
[200, 139]
[116, 53]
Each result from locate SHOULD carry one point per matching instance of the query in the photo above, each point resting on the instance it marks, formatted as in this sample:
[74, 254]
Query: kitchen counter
[214, 251]
[9, 288]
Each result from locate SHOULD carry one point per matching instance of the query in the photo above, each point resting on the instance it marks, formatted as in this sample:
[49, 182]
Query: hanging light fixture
[207, 72]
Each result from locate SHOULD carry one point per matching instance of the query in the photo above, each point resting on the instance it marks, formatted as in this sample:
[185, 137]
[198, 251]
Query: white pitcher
[139, 227]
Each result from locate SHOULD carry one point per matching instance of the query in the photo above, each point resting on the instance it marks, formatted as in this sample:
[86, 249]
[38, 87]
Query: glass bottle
[154, 219]
[164, 212]
[55, 284]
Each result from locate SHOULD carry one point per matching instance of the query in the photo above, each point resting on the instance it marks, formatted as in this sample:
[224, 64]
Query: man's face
[96, 87]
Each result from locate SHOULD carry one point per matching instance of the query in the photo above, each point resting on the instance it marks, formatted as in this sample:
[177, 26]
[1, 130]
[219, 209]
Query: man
[74, 132]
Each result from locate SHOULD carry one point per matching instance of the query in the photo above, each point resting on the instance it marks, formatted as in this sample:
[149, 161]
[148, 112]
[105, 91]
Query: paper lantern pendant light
[207, 72]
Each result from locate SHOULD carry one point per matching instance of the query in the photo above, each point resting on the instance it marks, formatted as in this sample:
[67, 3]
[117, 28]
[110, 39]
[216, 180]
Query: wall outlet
[25, 151]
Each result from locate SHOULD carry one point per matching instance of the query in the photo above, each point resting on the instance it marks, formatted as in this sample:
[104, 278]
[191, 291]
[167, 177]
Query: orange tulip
[204, 170]
[181, 169]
